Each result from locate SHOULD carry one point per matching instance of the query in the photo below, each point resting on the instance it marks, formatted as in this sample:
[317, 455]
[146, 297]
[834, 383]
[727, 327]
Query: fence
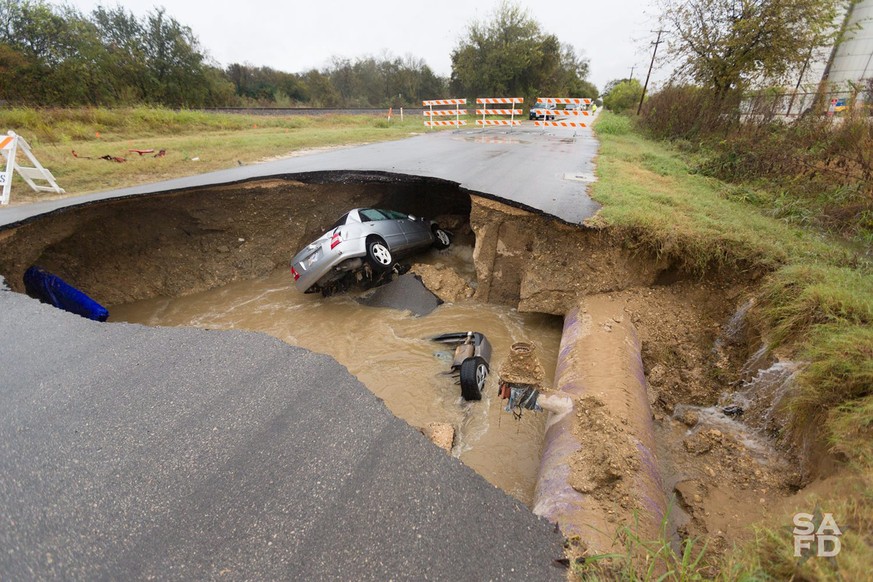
[796, 103]
[499, 101]
[430, 113]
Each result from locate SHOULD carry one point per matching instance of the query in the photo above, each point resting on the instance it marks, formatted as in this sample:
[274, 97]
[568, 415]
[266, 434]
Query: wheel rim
[481, 375]
[443, 237]
[381, 254]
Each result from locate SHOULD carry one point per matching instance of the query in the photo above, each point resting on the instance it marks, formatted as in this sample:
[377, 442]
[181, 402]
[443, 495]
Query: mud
[183, 244]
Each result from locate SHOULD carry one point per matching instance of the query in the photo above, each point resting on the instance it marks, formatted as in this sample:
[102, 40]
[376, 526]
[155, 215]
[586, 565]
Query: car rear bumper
[325, 267]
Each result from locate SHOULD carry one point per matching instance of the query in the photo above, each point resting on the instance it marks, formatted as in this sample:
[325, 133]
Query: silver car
[366, 241]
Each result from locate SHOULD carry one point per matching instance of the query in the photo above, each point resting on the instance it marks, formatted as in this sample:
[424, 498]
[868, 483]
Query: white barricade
[498, 101]
[457, 112]
[546, 113]
[9, 148]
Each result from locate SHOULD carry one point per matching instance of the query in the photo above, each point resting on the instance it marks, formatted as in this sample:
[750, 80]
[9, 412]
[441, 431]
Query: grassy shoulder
[816, 301]
[194, 142]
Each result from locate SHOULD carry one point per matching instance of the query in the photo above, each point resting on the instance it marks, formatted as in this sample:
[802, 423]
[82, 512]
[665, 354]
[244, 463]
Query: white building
[851, 61]
[842, 71]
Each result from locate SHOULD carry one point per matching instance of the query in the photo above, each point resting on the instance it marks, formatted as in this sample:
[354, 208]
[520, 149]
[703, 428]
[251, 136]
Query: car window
[340, 222]
[394, 215]
[372, 214]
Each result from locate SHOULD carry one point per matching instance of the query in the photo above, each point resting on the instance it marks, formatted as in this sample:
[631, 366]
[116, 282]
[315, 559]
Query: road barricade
[10, 145]
[430, 113]
[503, 112]
[574, 112]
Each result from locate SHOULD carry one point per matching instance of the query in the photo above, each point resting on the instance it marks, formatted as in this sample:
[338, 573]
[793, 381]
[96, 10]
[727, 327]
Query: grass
[651, 193]
[641, 559]
[195, 142]
[816, 300]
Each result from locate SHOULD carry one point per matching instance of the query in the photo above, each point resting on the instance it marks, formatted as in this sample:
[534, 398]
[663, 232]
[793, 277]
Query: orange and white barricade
[10, 145]
[499, 101]
[457, 112]
[575, 112]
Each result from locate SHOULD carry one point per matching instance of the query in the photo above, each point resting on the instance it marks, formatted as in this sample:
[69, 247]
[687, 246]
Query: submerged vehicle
[366, 241]
[470, 362]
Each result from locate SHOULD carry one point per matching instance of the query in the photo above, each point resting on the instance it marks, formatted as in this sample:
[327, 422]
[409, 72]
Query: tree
[510, 56]
[175, 61]
[727, 45]
[622, 94]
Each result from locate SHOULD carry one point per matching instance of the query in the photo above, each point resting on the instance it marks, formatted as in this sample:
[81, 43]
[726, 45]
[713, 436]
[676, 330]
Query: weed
[816, 304]
[613, 125]
[640, 559]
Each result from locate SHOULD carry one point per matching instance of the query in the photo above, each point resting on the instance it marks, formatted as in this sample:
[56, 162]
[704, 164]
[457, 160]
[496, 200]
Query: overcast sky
[296, 36]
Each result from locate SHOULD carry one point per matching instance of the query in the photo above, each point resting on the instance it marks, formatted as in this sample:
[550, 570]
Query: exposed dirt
[607, 460]
[441, 434]
[721, 480]
[133, 249]
[443, 282]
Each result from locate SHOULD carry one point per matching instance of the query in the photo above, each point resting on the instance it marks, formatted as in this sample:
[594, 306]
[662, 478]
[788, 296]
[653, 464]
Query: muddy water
[389, 351]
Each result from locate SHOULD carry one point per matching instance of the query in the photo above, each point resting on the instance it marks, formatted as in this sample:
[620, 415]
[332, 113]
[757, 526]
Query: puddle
[388, 351]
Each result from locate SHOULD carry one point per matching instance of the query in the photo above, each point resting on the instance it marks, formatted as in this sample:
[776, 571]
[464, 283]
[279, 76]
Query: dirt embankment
[721, 478]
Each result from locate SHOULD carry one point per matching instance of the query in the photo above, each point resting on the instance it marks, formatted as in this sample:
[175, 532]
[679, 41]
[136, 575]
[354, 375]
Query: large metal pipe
[600, 374]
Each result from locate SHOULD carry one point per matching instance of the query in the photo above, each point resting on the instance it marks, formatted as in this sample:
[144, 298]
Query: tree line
[58, 56]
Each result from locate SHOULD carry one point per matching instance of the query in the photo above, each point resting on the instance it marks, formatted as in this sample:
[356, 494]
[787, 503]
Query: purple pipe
[576, 513]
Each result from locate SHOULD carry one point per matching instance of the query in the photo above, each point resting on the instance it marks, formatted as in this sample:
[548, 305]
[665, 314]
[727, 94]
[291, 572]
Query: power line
[651, 64]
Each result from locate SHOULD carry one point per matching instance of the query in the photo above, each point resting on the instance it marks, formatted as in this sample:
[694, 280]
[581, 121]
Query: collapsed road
[650, 357]
[139, 452]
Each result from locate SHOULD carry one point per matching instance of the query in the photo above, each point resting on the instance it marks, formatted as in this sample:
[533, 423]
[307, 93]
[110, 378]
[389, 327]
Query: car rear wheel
[379, 255]
[441, 238]
[474, 372]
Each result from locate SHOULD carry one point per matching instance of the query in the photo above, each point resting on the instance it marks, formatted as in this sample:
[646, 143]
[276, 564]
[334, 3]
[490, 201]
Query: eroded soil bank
[180, 243]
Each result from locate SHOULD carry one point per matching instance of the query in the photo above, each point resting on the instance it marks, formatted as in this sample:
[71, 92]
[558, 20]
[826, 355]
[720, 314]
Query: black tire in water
[379, 255]
[442, 239]
[474, 372]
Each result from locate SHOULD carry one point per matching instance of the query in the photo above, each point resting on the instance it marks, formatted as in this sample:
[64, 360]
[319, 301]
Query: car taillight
[335, 240]
[294, 273]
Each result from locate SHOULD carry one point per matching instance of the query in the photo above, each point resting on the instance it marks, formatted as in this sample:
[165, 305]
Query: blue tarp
[53, 290]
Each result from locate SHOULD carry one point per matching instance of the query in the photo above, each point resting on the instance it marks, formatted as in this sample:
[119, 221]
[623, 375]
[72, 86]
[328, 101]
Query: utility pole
[799, 81]
[649, 74]
[632, 72]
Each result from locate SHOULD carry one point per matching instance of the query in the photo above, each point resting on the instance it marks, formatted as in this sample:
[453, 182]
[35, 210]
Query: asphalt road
[129, 452]
[547, 171]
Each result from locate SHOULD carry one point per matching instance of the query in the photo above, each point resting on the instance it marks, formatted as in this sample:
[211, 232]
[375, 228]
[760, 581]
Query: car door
[416, 231]
[380, 223]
